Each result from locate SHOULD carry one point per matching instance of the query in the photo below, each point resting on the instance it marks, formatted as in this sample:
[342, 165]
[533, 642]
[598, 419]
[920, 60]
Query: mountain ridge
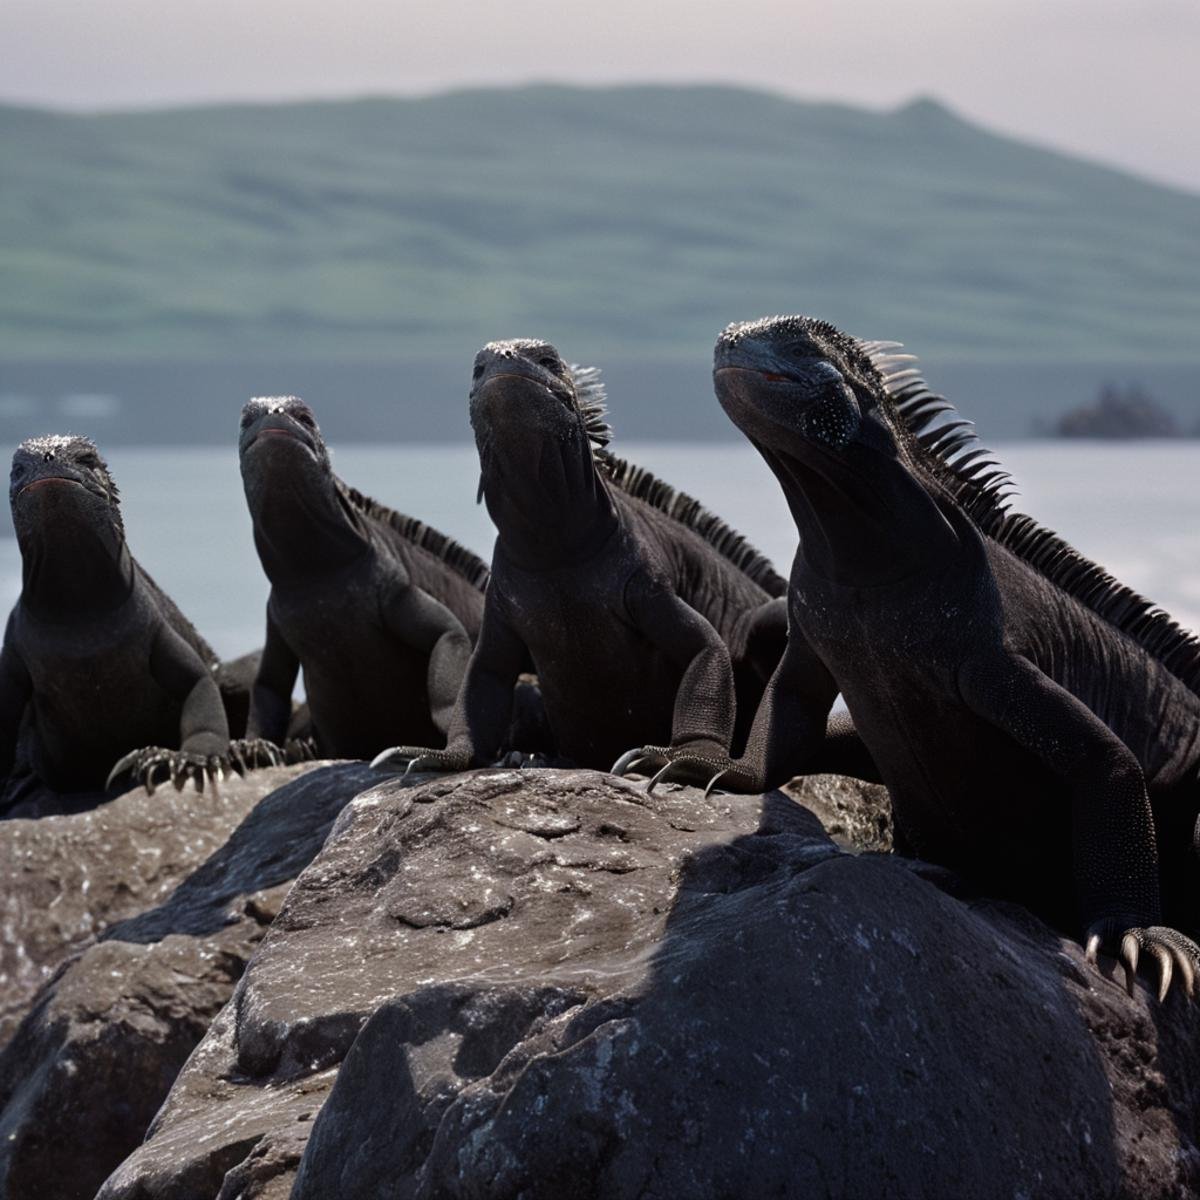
[630, 221]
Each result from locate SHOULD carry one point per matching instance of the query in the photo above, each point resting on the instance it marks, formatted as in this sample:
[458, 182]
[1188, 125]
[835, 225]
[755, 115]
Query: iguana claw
[152, 765]
[627, 761]
[298, 750]
[1170, 949]
[704, 766]
[249, 753]
[659, 776]
[420, 758]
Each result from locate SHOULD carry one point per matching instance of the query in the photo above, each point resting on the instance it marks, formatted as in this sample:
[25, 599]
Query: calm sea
[1134, 507]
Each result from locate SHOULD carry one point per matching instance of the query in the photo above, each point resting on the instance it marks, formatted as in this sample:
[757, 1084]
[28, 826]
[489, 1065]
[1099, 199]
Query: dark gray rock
[90, 1064]
[65, 879]
[547, 983]
[857, 815]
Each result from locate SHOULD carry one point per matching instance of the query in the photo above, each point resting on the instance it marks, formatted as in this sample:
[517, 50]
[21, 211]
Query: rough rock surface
[65, 879]
[549, 983]
[88, 1067]
[857, 815]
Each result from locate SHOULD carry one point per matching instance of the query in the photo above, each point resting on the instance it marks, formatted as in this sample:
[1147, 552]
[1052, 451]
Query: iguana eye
[549, 362]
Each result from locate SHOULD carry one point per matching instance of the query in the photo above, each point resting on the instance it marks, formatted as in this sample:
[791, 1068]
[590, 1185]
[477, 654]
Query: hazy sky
[1117, 80]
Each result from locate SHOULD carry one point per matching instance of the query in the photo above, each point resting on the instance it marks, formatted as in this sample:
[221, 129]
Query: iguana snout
[65, 473]
[507, 369]
[776, 381]
[267, 417]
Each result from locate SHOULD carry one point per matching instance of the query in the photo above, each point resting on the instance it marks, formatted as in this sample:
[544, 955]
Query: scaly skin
[98, 665]
[627, 614]
[380, 622]
[1034, 735]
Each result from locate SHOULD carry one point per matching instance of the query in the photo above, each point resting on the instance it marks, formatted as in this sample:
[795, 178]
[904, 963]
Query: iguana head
[299, 508]
[812, 402]
[794, 382]
[63, 476]
[281, 451]
[538, 423]
[67, 515]
[283, 430]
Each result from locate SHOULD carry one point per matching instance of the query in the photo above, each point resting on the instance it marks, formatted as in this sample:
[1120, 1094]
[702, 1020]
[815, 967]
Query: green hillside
[632, 221]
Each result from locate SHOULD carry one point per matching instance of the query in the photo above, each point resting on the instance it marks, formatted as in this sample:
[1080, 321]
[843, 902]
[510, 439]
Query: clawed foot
[1171, 950]
[699, 764]
[245, 754]
[412, 759]
[153, 765]
[300, 750]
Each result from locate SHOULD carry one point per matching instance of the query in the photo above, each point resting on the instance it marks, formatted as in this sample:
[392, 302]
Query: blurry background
[207, 200]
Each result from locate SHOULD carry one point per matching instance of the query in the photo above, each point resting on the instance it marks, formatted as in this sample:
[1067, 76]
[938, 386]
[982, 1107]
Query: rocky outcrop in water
[126, 930]
[549, 983]
[1119, 414]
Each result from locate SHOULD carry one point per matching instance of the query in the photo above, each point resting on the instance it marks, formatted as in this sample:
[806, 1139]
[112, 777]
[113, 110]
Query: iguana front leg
[705, 705]
[419, 621]
[483, 709]
[203, 753]
[271, 695]
[788, 729]
[1115, 852]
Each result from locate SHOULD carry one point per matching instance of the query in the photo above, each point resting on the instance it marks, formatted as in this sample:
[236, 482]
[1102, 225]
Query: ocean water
[1133, 507]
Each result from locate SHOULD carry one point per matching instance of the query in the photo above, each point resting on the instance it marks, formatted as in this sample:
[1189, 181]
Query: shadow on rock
[549, 983]
[810, 1024]
[277, 840]
[91, 1062]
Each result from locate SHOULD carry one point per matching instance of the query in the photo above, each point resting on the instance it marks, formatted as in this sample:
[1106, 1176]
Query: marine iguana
[1036, 722]
[379, 609]
[98, 665]
[629, 598]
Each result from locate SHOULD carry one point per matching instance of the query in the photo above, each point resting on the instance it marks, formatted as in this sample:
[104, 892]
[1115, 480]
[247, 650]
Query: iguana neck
[305, 527]
[863, 517]
[558, 515]
[79, 568]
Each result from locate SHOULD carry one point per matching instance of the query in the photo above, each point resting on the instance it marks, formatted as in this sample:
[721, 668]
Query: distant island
[623, 223]
[1119, 414]
[162, 266]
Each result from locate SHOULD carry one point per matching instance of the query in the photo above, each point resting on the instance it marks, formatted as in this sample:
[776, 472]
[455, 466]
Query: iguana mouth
[770, 376]
[34, 483]
[279, 431]
[559, 394]
[523, 376]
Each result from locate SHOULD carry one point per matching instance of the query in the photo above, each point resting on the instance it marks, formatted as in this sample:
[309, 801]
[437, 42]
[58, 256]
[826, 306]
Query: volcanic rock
[546, 983]
[156, 904]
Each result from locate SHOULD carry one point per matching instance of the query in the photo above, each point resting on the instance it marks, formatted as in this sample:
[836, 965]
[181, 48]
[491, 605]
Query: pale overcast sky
[1117, 80]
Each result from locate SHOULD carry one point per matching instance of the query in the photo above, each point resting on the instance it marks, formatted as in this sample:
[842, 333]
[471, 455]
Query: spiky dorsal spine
[592, 400]
[638, 482]
[945, 446]
[679, 506]
[454, 554]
